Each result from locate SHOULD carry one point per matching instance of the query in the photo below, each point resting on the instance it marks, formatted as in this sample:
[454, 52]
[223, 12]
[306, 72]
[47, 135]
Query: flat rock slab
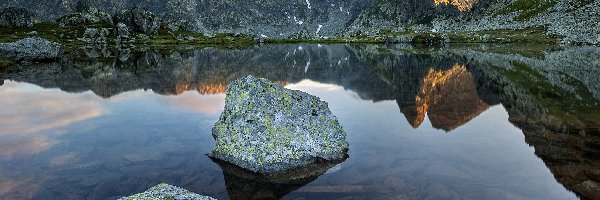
[31, 49]
[266, 128]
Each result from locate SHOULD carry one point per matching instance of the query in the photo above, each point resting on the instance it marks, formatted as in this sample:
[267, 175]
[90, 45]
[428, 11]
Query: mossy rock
[165, 192]
[266, 128]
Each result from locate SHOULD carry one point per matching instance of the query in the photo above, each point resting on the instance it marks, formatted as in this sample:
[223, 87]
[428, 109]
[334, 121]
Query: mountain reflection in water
[104, 128]
[448, 96]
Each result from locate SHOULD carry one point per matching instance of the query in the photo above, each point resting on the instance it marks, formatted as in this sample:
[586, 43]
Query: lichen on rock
[267, 129]
[31, 49]
[165, 191]
[85, 15]
[139, 20]
[97, 37]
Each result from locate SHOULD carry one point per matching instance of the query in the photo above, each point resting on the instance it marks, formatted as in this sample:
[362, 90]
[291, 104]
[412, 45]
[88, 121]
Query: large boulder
[31, 49]
[85, 15]
[16, 18]
[165, 191]
[139, 20]
[266, 128]
[96, 37]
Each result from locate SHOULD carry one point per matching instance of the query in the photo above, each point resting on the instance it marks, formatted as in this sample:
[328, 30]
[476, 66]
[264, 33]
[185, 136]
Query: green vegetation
[5, 66]
[528, 8]
[50, 31]
[228, 40]
[68, 36]
[532, 35]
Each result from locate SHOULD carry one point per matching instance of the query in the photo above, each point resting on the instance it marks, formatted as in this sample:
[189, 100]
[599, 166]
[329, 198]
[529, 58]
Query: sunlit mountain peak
[462, 5]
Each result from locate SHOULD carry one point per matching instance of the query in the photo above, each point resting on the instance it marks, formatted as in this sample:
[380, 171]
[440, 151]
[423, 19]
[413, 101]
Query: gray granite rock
[274, 18]
[31, 49]
[266, 128]
[165, 191]
[85, 15]
[16, 17]
[574, 21]
[97, 37]
[123, 35]
[184, 37]
[139, 20]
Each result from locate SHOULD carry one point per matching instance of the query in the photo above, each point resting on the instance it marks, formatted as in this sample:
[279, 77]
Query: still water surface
[432, 124]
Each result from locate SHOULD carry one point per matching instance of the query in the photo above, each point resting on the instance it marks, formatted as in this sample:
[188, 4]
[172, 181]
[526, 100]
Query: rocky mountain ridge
[577, 21]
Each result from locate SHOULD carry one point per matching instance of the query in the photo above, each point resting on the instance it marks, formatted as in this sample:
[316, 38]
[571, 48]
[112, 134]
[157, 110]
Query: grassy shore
[68, 36]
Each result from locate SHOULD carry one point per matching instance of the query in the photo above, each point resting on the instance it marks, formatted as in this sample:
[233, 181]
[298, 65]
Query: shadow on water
[243, 184]
[554, 99]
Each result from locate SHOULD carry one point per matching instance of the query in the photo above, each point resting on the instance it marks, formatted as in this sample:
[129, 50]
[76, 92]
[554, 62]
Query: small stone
[445, 39]
[32, 33]
[266, 128]
[142, 37]
[184, 37]
[260, 40]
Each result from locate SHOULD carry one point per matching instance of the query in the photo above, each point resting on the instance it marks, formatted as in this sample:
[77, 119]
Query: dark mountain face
[574, 20]
[267, 18]
[270, 18]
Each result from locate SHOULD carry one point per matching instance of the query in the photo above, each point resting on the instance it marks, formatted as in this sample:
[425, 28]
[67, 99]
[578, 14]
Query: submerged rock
[16, 18]
[139, 20]
[165, 191]
[267, 129]
[243, 184]
[31, 49]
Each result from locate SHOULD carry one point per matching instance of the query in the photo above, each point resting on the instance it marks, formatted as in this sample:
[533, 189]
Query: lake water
[480, 122]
